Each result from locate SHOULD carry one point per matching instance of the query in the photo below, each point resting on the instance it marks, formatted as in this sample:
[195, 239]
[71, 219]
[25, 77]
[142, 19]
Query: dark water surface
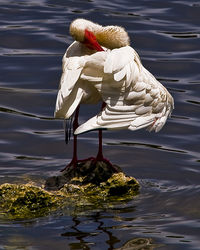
[166, 213]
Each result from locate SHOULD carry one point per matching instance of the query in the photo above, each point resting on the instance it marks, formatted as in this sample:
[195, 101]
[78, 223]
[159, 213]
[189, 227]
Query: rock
[93, 184]
[90, 171]
[117, 187]
[55, 182]
[26, 201]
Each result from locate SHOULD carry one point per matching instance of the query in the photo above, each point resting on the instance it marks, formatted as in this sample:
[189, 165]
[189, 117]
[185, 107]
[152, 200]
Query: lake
[166, 213]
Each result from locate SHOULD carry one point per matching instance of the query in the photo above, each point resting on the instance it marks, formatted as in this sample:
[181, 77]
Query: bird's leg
[100, 156]
[75, 126]
[74, 160]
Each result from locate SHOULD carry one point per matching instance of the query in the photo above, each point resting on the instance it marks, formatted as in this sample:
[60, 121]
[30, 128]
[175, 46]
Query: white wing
[73, 88]
[69, 96]
[134, 98]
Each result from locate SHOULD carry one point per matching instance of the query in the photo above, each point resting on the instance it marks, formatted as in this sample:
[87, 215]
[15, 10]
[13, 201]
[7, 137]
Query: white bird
[101, 66]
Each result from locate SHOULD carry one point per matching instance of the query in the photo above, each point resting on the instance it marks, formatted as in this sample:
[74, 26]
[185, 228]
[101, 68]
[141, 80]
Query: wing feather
[69, 96]
[122, 63]
[134, 98]
[81, 70]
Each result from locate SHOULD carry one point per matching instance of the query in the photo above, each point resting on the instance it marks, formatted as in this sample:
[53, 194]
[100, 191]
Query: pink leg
[74, 162]
[100, 156]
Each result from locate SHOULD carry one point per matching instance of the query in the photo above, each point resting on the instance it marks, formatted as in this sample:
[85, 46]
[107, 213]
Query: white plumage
[134, 98]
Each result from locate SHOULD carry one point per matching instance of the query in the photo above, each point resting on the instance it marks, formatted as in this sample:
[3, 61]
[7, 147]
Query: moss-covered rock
[26, 201]
[91, 183]
[91, 171]
[117, 187]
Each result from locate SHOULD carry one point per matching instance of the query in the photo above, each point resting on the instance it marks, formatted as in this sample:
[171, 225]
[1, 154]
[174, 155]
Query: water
[34, 36]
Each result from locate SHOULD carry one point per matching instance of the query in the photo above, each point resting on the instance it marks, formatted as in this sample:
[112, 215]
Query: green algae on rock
[26, 201]
[92, 184]
[117, 187]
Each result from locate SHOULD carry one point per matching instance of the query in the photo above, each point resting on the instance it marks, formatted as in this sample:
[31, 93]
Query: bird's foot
[106, 161]
[74, 163]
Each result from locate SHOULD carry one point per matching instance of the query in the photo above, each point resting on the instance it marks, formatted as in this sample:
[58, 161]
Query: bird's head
[94, 35]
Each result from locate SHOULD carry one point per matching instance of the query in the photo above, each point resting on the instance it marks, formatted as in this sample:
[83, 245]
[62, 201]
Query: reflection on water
[139, 243]
[111, 240]
[34, 37]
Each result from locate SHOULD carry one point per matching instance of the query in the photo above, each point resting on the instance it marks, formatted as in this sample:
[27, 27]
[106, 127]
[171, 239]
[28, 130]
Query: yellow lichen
[27, 201]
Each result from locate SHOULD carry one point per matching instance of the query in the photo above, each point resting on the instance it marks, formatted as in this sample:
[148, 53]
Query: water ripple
[144, 145]
[17, 112]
